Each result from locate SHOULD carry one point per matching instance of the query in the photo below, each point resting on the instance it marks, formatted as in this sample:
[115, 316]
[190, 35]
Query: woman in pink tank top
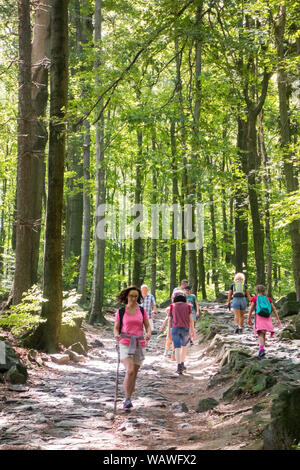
[130, 337]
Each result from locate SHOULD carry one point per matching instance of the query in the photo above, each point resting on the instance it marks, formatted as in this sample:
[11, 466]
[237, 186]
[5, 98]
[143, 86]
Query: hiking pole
[117, 378]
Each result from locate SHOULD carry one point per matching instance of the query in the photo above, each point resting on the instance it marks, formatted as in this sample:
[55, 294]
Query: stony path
[71, 406]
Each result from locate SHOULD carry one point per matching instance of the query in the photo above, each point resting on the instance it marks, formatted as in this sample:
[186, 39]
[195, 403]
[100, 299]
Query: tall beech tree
[290, 171]
[96, 308]
[52, 288]
[24, 220]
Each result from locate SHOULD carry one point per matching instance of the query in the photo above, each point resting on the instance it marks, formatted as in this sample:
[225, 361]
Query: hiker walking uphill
[149, 304]
[192, 300]
[181, 326]
[128, 332]
[263, 308]
[239, 291]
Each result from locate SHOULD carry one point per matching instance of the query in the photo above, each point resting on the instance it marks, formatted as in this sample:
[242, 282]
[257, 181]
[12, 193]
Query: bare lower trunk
[52, 310]
[96, 310]
[24, 221]
[288, 166]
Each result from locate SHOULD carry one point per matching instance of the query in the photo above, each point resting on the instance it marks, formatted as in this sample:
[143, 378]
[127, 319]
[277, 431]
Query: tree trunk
[288, 166]
[86, 231]
[241, 206]
[25, 223]
[40, 67]
[173, 264]
[52, 310]
[214, 251]
[96, 310]
[154, 240]
[184, 179]
[258, 228]
[192, 253]
[138, 243]
[86, 34]
[267, 184]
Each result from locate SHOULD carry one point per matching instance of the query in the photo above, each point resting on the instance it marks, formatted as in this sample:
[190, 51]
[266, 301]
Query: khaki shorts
[124, 354]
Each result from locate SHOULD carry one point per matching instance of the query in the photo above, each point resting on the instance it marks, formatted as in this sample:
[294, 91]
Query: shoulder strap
[121, 315]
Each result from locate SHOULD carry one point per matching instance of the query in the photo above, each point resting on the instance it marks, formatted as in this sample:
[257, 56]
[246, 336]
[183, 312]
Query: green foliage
[204, 324]
[71, 310]
[27, 314]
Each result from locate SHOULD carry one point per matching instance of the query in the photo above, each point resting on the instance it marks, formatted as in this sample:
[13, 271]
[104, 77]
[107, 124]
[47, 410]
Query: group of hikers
[134, 324]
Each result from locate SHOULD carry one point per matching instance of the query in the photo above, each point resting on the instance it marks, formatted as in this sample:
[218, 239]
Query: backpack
[121, 315]
[238, 289]
[192, 302]
[263, 306]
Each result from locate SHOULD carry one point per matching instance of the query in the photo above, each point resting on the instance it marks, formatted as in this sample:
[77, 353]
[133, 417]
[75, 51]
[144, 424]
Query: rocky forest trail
[70, 407]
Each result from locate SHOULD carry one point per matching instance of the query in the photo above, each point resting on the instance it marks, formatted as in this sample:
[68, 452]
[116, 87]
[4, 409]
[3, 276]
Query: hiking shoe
[191, 343]
[183, 366]
[261, 353]
[240, 331]
[127, 404]
[179, 369]
[236, 329]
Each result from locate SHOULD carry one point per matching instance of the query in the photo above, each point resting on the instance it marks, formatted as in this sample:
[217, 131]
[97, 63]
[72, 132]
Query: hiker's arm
[250, 313]
[169, 328]
[148, 330]
[275, 314]
[192, 331]
[116, 331]
[229, 296]
[154, 307]
[164, 323]
[197, 307]
[248, 295]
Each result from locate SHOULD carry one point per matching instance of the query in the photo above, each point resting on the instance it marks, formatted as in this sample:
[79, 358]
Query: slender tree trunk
[86, 231]
[96, 311]
[25, 223]
[192, 254]
[154, 240]
[285, 139]
[40, 67]
[241, 206]
[267, 184]
[258, 229]
[173, 264]
[184, 179]
[2, 228]
[138, 243]
[52, 310]
[214, 252]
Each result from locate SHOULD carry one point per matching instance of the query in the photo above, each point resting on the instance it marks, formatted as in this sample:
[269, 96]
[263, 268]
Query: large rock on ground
[284, 430]
[206, 404]
[14, 369]
[251, 381]
[291, 307]
[72, 333]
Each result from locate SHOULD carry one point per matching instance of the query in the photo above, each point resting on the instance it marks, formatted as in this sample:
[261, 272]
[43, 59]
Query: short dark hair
[123, 296]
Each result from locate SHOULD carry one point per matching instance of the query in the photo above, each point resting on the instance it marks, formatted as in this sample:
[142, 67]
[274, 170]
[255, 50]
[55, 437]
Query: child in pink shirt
[262, 324]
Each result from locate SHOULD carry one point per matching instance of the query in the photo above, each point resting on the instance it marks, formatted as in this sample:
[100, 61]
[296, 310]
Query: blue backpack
[263, 306]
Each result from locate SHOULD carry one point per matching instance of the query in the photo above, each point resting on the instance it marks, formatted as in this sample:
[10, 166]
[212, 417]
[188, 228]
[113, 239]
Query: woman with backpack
[263, 307]
[239, 291]
[128, 332]
[181, 326]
